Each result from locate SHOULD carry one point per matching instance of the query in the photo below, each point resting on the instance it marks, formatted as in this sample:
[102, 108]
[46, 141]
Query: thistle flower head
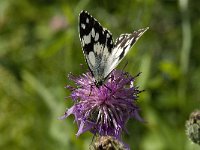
[104, 110]
[193, 127]
[108, 143]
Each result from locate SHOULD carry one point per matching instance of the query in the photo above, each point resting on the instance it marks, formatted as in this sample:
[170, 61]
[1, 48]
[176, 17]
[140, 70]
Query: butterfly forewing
[101, 54]
[122, 45]
[97, 44]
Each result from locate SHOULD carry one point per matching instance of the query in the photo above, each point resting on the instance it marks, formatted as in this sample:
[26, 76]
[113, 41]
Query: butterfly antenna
[108, 88]
[125, 66]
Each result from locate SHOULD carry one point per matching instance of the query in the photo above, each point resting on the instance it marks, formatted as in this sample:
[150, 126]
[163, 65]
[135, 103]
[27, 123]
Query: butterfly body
[101, 53]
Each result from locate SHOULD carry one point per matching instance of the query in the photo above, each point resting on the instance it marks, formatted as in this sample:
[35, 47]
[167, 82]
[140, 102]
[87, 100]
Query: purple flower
[104, 110]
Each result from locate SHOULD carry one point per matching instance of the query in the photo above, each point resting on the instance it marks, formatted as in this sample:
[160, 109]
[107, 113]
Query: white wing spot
[93, 33]
[83, 25]
[128, 42]
[118, 52]
[98, 48]
[96, 37]
[87, 39]
[108, 35]
[105, 52]
[91, 58]
[87, 20]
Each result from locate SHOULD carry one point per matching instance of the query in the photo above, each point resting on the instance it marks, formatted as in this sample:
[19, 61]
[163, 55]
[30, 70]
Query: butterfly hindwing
[101, 54]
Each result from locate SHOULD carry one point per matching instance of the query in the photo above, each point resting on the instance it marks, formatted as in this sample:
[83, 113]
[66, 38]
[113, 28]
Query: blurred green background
[39, 46]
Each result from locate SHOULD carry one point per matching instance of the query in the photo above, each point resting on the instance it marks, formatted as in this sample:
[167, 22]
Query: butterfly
[102, 54]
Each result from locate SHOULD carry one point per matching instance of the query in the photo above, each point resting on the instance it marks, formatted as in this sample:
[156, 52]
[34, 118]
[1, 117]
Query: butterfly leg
[91, 86]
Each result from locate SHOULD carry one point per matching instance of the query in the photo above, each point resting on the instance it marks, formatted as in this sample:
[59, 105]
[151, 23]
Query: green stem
[185, 50]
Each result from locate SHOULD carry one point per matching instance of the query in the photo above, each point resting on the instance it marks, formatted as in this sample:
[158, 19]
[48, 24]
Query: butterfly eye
[99, 83]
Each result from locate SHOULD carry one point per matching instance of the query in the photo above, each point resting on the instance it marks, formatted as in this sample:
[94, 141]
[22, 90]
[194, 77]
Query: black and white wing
[97, 45]
[101, 54]
[122, 45]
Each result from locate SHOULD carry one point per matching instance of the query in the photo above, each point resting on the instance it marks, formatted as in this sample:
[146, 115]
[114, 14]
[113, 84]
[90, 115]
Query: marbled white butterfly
[101, 54]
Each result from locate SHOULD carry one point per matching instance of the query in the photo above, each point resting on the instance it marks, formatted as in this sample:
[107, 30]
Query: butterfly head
[98, 80]
[98, 83]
